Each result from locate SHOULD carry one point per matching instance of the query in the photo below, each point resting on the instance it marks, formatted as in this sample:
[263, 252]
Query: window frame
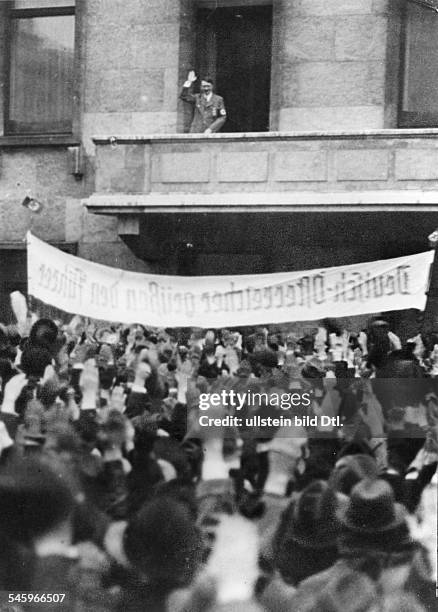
[28, 13]
[411, 119]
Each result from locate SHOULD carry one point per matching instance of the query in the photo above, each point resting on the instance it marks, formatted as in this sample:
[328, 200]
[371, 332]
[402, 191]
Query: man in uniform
[209, 109]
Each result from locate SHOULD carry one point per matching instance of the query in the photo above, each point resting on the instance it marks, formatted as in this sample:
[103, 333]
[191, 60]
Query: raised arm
[186, 94]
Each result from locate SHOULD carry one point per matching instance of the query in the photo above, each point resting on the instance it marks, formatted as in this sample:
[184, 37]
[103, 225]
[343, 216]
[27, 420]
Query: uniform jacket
[207, 114]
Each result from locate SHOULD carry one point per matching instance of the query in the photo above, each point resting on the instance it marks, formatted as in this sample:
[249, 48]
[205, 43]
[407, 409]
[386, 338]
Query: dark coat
[207, 114]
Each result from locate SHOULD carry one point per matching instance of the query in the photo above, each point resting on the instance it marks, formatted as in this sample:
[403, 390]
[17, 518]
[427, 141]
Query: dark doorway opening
[13, 277]
[233, 45]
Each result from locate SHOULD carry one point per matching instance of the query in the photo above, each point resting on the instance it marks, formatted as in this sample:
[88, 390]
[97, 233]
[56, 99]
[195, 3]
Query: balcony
[380, 170]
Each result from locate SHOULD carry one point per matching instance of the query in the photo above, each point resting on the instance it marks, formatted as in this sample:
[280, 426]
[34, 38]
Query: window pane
[421, 61]
[27, 4]
[41, 77]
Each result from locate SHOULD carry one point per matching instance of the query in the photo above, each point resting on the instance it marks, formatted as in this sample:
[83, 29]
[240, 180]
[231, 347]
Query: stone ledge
[43, 140]
[379, 201]
[283, 136]
[20, 245]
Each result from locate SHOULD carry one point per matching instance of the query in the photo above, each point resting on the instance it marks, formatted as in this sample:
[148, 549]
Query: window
[419, 99]
[41, 45]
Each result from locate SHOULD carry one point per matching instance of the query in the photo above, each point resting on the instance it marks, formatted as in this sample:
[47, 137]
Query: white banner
[93, 290]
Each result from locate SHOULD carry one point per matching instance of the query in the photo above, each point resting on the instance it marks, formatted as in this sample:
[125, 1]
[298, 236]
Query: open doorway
[13, 277]
[233, 45]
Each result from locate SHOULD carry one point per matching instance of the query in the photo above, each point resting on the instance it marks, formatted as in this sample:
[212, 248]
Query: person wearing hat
[374, 540]
[374, 524]
[351, 469]
[306, 538]
[209, 113]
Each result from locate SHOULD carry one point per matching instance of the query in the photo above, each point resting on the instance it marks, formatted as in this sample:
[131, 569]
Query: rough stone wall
[374, 162]
[45, 174]
[3, 8]
[330, 64]
[131, 56]
[328, 72]
[128, 74]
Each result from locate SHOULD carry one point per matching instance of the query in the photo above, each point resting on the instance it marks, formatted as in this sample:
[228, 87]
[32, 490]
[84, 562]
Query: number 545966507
[36, 597]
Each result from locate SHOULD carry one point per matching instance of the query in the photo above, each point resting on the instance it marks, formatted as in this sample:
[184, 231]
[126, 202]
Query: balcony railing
[386, 168]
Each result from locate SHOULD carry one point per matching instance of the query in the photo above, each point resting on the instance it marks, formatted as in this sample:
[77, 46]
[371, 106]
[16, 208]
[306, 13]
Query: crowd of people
[112, 494]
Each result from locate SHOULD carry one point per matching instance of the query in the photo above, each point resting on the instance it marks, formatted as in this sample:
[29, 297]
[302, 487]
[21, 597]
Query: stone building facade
[329, 155]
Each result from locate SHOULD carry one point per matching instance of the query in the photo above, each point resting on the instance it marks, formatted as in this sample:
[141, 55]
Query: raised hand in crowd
[89, 385]
[12, 391]
[161, 497]
[118, 399]
[142, 373]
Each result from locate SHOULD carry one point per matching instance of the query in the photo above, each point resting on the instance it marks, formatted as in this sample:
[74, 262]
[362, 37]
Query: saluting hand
[191, 78]
[89, 384]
